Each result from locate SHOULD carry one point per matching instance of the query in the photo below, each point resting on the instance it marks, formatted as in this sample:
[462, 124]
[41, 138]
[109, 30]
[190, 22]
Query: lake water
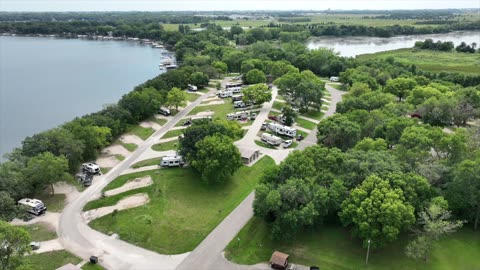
[45, 82]
[353, 46]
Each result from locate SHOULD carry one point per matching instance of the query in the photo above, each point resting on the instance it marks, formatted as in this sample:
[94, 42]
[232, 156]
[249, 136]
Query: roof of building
[279, 258]
[247, 152]
[68, 267]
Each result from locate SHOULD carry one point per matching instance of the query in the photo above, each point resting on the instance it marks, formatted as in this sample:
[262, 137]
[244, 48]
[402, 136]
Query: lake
[353, 46]
[45, 82]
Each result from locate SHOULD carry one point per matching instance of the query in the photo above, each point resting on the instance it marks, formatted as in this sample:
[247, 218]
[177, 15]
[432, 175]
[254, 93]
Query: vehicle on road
[91, 167]
[172, 161]
[271, 139]
[33, 206]
[164, 111]
[287, 143]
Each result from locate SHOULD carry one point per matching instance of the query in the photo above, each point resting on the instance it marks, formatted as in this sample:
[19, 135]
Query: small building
[279, 260]
[68, 266]
[249, 155]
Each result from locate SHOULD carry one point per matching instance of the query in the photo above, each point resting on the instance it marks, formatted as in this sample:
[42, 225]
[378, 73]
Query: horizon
[234, 5]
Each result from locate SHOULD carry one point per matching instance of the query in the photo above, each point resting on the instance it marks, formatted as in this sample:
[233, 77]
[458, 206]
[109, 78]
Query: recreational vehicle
[200, 118]
[224, 94]
[237, 116]
[235, 90]
[282, 130]
[91, 168]
[233, 85]
[34, 206]
[172, 161]
[334, 79]
[237, 98]
[239, 104]
[271, 139]
[192, 88]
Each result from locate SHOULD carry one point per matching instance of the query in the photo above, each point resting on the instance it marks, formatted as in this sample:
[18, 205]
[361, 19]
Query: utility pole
[368, 251]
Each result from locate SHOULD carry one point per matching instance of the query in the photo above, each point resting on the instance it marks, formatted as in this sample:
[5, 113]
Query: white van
[34, 206]
[271, 139]
[172, 161]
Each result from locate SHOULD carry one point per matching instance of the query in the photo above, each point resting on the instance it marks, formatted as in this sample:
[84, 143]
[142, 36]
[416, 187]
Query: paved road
[208, 255]
[77, 237]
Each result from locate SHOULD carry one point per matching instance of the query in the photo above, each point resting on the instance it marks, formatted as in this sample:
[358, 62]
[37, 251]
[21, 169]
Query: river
[45, 82]
[353, 46]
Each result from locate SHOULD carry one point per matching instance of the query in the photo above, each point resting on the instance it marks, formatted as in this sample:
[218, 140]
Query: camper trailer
[192, 88]
[271, 139]
[334, 79]
[224, 94]
[200, 118]
[239, 104]
[172, 161]
[34, 206]
[237, 98]
[282, 130]
[237, 116]
[233, 85]
[235, 90]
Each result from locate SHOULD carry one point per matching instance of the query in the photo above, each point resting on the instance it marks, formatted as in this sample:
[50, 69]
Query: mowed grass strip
[53, 203]
[305, 123]
[332, 248]
[146, 162]
[142, 132]
[160, 121]
[182, 209]
[173, 133]
[53, 259]
[41, 231]
[192, 97]
[165, 146]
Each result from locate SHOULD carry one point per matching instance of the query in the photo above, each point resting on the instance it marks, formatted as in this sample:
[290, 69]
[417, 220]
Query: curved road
[77, 237]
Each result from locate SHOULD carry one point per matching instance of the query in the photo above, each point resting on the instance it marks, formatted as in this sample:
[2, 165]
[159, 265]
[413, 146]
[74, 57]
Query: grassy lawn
[330, 247]
[146, 162]
[173, 133]
[142, 132]
[220, 110]
[192, 97]
[433, 61]
[313, 114]
[160, 121]
[41, 231]
[104, 170]
[340, 87]
[305, 123]
[119, 157]
[129, 146]
[91, 266]
[278, 105]
[183, 209]
[165, 146]
[203, 90]
[53, 203]
[53, 259]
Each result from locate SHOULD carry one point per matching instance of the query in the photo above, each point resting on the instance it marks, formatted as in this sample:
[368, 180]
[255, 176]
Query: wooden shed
[279, 260]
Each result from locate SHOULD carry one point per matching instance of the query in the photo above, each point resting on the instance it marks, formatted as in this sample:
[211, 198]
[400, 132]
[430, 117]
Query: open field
[313, 114]
[182, 209]
[331, 248]
[433, 61]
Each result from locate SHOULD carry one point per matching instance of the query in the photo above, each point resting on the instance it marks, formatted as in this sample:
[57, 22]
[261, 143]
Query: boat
[158, 46]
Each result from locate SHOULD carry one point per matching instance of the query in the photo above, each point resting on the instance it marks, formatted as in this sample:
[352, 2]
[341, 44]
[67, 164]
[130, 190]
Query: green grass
[146, 162]
[433, 61]
[173, 133]
[160, 121]
[91, 266]
[119, 157]
[305, 123]
[104, 170]
[192, 97]
[340, 87]
[331, 248]
[165, 146]
[41, 231]
[142, 132]
[182, 208]
[203, 90]
[313, 114]
[220, 110]
[129, 146]
[278, 105]
[53, 203]
[266, 145]
[53, 259]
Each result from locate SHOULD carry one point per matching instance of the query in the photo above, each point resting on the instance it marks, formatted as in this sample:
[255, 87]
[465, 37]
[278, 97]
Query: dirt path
[130, 138]
[132, 184]
[126, 203]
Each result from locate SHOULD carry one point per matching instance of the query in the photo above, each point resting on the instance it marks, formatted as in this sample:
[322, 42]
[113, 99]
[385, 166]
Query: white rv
[235, 90]
[34, 206]
[233, 85]
[200, 118]
[271, 139]
[172, 161]
[91, 168]
[192, 88]
[237, 98]
[239, 104]
[237, 116]
[282, 130]
[225, 94]
[334, 79]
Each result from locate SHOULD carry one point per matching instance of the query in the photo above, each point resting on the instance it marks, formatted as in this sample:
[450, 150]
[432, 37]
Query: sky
[191, 5]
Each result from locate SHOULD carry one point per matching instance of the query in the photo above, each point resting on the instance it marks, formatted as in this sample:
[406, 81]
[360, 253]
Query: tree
[14, 246]
[304, 88]
[142, 104]
[400, 87]
[288, 115]
[47, 169]
[338, 131]
[220, 66]
[369, 144]
[8, 207]
[216, 158]
[463, 193]
[376, 211]
[199, 79]
[176, 97]
[255, 76]
[437, 111]
[434, 223]
[94, 137]
[257, 94]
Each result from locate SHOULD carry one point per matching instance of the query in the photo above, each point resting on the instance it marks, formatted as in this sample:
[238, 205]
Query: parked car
[264, 126]
[35, 245]
[273, 117]
[287, 143]
[91, 167]
[299, 137]
[187, 123]
[253, 116]
[164, 111]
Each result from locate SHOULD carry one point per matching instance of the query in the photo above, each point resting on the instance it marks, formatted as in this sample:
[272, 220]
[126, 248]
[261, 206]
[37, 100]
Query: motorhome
[34, 206]
[192, 88]
[233, 85]
[282, 130]
[172, 161]
[237, 116]
[225, 94]
[239, 104]
[271, 139]
[334, 79]
[169, 67]
[237, 98]
[235, 90]
[91, 168]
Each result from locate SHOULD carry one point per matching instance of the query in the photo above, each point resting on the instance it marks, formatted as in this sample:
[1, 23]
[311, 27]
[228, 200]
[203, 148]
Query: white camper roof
[172, 157]
[30, 202]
